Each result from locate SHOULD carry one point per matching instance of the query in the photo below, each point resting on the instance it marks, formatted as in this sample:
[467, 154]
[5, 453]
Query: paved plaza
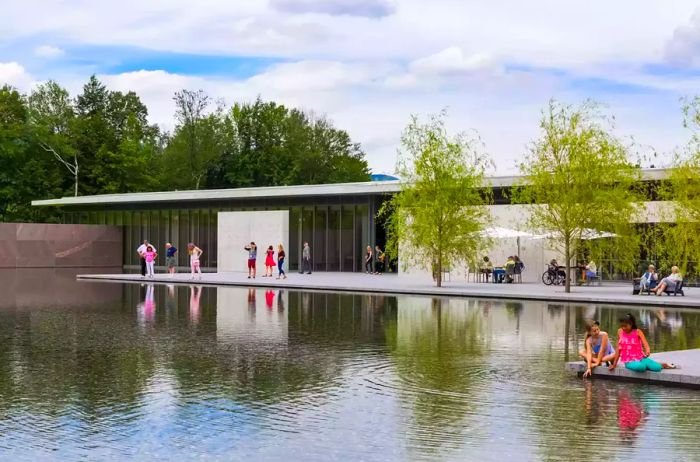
[607, 293]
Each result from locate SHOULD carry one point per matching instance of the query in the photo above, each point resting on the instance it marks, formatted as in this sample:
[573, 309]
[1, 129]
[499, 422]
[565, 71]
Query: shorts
[171, 262]
[251, 263]
[194, 263]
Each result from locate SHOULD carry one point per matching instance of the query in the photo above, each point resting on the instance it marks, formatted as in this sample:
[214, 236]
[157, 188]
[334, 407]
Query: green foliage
[101, 142]
[679, 234]
[441, 209]
[26, 170]
[577, 177]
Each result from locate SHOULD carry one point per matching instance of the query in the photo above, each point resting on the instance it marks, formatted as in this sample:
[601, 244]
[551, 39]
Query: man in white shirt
[142, 255]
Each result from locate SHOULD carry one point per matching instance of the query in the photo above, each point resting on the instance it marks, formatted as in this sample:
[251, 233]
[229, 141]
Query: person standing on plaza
[280, 262]
[306, 259]
[269, 261]
[379, 265]
[194, 253]
[252, 258]
[150, 257]
[141, 250]
[170, 258]
[368, 260]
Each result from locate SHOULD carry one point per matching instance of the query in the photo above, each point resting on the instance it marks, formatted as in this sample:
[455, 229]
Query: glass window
[362, 232]
[319, 239]
[333, 245]
[307, 230]
[213, 238]
[293, 253]
[184, 236]
[347, 239]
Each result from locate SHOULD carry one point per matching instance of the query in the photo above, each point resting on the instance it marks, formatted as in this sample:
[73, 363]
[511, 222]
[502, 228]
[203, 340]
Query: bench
[636, 286]
[678, 289]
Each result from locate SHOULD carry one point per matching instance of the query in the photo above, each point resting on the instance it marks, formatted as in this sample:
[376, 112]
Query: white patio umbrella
[498, 232]
[587, 235]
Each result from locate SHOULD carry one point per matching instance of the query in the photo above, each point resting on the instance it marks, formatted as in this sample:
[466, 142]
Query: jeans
[280, 266]
[150, 267]
[143, 266]
[645, 364]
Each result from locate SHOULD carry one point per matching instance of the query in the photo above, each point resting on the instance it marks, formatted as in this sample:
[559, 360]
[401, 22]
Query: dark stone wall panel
[36, 245]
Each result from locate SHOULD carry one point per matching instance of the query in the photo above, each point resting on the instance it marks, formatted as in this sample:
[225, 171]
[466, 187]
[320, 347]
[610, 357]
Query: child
[269, 262]
[633, 349]
[280, 262]
[597, 347]
[150, 257]
[195, 252]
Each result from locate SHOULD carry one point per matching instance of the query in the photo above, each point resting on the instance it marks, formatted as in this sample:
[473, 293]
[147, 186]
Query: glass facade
[338, 229]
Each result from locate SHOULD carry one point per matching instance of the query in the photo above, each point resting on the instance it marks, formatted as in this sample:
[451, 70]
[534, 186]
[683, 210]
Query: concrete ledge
[688, 374]
[612, 294]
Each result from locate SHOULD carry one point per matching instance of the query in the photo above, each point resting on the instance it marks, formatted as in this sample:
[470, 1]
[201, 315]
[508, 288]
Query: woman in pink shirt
[150, 256]
[633, 349]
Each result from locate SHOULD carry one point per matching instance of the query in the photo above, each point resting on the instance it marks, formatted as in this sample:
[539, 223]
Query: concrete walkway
[609, 293]
[687, 374]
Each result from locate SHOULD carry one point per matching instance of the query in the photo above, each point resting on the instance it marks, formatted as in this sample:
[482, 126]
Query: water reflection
[184, 371]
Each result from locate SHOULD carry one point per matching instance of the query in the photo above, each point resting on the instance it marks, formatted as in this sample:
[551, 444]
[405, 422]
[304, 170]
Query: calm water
[109, 371]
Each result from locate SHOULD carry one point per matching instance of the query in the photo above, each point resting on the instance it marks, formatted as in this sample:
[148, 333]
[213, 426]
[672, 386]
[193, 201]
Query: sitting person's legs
[645, 364]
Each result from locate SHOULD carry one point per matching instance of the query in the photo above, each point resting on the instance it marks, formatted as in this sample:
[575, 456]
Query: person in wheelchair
[555, 268]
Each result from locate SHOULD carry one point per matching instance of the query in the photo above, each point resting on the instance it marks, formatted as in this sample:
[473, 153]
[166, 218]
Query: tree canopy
[440, 213]
[101, 141]
[577, 177]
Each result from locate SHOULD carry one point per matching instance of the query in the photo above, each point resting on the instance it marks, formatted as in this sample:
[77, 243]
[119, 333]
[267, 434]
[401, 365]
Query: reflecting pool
[154, 372]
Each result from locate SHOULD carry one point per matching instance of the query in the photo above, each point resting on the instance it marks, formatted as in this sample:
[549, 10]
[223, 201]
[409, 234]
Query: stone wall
[236, 229]
[38, 245]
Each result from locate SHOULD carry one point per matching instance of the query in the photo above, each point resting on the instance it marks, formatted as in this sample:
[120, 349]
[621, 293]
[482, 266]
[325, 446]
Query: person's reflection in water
[630, 412]
[251, 303]
[170, 303]
[147, 308]
[195, 297]
[280, 302]
[595, 404]
[269, 298]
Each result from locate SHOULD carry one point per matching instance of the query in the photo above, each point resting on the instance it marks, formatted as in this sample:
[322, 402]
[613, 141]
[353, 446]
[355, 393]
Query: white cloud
[48, 51]
[684, 46]
[367, 8]
[453, 61]
[13, 74]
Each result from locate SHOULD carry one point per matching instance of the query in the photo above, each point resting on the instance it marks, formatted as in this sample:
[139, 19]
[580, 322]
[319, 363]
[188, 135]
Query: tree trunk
[75, 186]
[567, 259]
[438, 276]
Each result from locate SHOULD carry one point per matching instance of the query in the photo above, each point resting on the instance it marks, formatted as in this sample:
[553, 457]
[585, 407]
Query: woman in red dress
[269, 261]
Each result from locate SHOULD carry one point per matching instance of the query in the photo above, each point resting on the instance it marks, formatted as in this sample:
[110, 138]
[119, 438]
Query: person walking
[306, 259]
[280, 262]
[150, 257]
[368, 260]
[194, 253]
[141, 251]
[269, 261]
[170, 258]
[252, 258]
[381, 256]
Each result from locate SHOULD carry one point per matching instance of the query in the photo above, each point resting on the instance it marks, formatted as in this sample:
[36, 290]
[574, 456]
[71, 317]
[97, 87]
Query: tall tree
[52, 115]
[578, 177]
[679, 242]
[440, 213]
[27, 170]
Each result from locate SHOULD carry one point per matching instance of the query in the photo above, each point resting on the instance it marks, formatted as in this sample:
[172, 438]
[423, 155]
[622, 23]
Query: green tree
[577, 177]
[27, 170]
[440, 212]
[52, 116]
[279, 146]
[679, 242]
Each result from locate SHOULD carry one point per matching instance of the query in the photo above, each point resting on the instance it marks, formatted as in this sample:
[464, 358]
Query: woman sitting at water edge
[669, 282]
[633, 349]
[597, 347]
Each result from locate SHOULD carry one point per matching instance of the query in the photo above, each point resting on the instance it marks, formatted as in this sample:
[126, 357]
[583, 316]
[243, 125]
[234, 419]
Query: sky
[368, 65]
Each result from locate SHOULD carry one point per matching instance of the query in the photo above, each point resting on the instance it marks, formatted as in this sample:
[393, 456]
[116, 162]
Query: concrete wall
[236, 229]
[37, 245]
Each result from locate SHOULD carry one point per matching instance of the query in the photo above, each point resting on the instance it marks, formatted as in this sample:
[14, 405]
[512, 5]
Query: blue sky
[369, 64]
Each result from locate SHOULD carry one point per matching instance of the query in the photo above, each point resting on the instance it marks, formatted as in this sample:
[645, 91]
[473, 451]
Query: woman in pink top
[150, 257]
[633, 349]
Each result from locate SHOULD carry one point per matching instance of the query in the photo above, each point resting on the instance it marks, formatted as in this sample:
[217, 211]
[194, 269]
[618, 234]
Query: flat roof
[317, 190]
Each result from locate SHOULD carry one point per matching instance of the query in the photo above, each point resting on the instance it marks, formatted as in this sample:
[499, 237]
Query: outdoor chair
[678, 290]
[636, 286]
